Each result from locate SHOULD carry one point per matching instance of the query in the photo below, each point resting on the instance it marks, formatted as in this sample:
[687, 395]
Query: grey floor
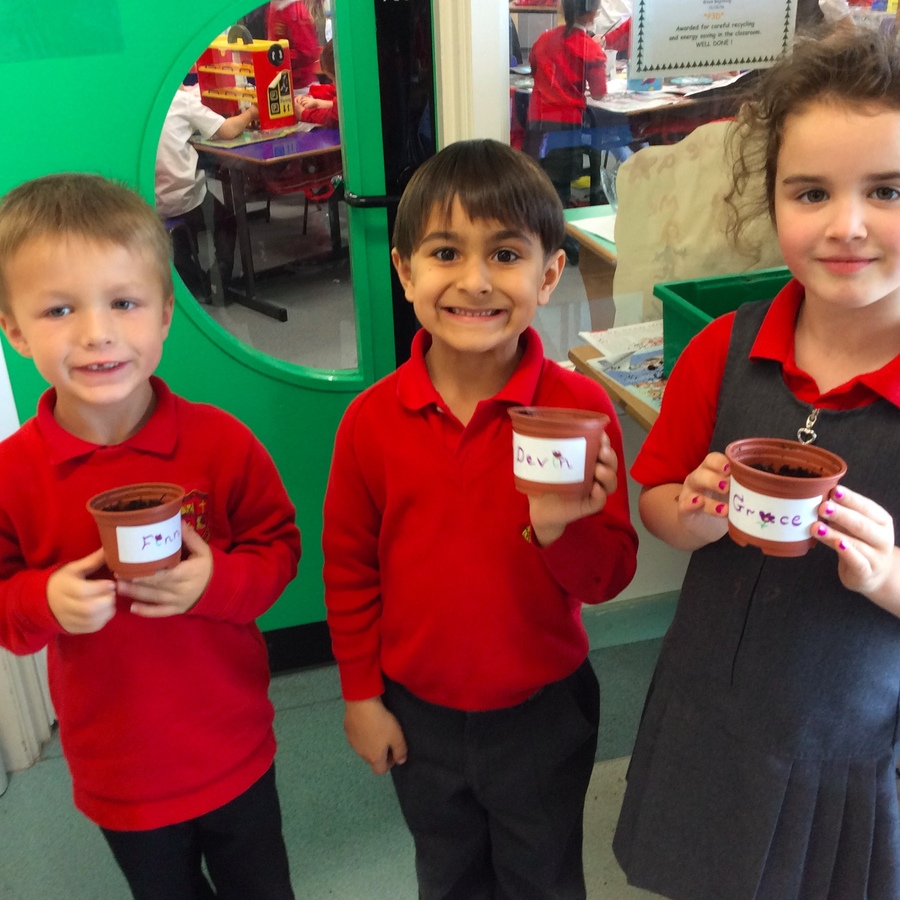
[344, 832]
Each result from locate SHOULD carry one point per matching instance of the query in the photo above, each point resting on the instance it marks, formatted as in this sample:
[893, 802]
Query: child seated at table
[319, 106]
[181, 187]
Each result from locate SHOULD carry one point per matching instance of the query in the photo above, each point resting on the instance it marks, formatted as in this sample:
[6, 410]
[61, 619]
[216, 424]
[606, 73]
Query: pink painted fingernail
[838, 493]
[829, 509]
[695, 500]
[720, 507]
[822, 531]
[842, 545]
[723, 485]
[726, 467]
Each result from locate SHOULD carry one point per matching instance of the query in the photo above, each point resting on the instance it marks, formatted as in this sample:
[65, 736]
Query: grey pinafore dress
[764, 764]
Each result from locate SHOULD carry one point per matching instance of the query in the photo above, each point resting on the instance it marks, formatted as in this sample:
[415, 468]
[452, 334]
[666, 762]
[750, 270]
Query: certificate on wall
[669, 38]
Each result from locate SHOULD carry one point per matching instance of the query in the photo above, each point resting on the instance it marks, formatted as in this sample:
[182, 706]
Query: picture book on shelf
[618, 344]
[642, 375]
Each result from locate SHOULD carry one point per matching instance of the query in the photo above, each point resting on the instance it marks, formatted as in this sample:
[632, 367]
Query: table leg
[248, 297]
[596, 273]
[334, 223]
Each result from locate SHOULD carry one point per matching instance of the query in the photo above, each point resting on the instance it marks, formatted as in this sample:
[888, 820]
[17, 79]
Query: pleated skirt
[708, 815]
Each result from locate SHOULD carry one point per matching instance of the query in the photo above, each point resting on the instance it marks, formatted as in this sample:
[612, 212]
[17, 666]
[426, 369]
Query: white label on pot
[549, 460]
[771, 518]
[146, 543]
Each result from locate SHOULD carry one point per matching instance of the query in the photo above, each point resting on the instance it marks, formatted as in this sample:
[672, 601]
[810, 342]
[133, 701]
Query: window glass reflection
[575, 110]
[249, 180]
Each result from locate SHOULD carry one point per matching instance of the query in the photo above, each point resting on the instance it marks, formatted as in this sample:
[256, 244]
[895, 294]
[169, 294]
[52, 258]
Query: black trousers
[495, 800]
[240, 842]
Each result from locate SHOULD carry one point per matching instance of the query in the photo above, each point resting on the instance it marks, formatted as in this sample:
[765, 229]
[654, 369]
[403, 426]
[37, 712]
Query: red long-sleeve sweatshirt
[430, 576]
[562, 66]
[160, 720]
[326, 116]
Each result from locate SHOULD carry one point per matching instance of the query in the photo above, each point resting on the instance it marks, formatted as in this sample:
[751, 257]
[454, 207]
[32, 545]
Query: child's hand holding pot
[171, 592]
[80, 604]
[551, 512]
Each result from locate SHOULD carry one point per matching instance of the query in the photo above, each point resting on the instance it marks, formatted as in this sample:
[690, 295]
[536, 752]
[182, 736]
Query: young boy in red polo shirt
[160, 683]
[454, 602]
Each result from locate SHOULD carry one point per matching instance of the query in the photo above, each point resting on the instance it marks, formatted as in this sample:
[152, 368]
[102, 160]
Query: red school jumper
[430, 573]
[161, 720]
[327, 117]
[561, 65]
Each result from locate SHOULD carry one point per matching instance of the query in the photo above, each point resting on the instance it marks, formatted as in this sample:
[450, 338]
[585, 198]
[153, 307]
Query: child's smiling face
[93, 316]
[476, 284]
[837, 203]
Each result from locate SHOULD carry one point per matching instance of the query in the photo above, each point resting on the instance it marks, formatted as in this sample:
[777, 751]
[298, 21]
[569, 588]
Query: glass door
[346, 322]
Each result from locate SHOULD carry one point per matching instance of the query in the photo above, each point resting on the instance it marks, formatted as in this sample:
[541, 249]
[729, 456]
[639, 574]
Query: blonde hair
[87, 206]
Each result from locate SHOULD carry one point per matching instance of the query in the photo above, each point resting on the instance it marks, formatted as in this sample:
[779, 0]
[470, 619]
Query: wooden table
[642, 413]
[664, 120]
[267, 155]
[673, 119]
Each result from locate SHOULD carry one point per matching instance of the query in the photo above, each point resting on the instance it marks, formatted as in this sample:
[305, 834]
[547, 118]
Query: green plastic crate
[689, 306]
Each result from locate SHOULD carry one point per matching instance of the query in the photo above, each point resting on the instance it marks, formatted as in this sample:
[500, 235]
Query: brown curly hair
[852, 65]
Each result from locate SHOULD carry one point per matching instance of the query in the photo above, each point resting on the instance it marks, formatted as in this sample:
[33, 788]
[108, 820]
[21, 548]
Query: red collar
[157, 436]
[415, 390]
[775, 340]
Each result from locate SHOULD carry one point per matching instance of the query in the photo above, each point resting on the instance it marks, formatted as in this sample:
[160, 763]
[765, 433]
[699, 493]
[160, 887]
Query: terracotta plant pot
[140, 527]
[773, 509]
[555, 450]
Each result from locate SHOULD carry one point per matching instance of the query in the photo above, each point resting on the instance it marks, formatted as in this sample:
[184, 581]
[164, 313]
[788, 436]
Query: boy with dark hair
[160, 683]
[454, 602]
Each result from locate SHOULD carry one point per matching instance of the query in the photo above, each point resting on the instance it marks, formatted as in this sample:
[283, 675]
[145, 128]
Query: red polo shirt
[679, 440]
[429, 574]
[160, 720]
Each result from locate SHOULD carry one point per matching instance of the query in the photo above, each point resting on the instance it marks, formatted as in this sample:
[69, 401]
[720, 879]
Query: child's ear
[404, 272]
[552, 273]
[168, 310]
[14, 334]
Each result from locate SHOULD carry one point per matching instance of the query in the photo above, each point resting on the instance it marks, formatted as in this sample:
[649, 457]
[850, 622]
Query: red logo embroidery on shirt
[195, 511]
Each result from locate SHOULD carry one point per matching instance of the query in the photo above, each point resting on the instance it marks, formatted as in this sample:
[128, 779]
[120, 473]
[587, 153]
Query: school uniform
[563, 65]
[165, 724]
[290, 20]
[180, 189]
[439, 599]
[325, 116]
[764, 764]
